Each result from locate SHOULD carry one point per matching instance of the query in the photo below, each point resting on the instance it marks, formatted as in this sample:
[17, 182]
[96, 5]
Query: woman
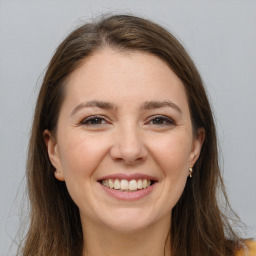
[123, 154]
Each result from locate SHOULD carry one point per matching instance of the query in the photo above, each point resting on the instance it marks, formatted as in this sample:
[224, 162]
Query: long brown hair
[198, 226]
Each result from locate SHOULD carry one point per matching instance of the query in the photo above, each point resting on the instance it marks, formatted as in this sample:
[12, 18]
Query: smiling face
[124, 140]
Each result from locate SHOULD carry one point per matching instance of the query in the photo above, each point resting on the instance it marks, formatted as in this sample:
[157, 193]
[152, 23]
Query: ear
[53, 153]
[196, 146]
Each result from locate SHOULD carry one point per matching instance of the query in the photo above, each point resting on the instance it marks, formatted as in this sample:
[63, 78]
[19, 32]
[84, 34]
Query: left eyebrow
[160, 104]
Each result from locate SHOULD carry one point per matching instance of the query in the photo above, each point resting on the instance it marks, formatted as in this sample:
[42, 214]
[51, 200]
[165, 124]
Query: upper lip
[131, 176]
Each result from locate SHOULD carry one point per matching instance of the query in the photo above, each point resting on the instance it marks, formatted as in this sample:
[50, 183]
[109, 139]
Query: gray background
[221, 38]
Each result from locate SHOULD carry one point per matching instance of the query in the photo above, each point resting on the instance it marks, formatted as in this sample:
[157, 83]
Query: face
[124, 140]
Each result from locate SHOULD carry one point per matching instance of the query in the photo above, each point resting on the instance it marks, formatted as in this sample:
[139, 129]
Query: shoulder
[250, 249]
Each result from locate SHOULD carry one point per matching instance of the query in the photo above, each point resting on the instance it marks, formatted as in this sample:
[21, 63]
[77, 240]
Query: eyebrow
[109, 106]
[160, 104]
[94, 103]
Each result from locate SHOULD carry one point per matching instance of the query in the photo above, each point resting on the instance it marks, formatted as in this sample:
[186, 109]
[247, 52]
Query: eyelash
[165, 121]
[87, 120]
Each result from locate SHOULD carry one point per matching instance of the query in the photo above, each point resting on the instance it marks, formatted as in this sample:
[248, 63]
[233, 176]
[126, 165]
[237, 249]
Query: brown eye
[161, 120]
[94, 120]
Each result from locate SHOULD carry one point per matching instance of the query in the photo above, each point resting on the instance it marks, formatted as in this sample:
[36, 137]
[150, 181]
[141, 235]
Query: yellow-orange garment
[251, 251]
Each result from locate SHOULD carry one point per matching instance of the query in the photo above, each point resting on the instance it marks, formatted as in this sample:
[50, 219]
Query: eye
[161, 121]
[94, 121]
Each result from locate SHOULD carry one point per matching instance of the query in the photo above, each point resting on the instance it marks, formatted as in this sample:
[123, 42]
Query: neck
[102, 241]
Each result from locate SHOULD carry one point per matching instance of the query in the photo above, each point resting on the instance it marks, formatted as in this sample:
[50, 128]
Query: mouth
[128, 187]
[125, 185]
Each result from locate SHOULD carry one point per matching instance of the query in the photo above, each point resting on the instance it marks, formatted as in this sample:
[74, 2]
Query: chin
[128, 220]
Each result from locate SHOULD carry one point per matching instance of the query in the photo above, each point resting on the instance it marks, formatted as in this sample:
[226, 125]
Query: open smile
[128, 187]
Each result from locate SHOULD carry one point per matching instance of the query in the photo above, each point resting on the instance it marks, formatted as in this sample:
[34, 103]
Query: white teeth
[139, 184]
[117, 184]
[125, 185]
[144, 183]
[111, 183]
[132, 185]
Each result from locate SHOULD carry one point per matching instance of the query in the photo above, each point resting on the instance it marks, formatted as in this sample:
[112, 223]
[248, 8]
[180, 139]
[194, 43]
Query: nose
[128, 146]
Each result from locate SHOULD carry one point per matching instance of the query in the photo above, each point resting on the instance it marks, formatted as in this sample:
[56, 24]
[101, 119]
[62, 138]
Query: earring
[190, 171]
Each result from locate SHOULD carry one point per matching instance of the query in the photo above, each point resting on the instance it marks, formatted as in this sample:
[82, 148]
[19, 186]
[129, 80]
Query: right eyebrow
[93, 103]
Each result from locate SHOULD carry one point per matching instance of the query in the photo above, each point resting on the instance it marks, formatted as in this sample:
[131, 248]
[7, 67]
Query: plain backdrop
[219, 35]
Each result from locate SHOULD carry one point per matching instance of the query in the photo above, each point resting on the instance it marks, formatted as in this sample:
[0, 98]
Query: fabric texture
[251, 251]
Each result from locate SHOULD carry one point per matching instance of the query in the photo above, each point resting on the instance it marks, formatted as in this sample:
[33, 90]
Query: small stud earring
[190, 171]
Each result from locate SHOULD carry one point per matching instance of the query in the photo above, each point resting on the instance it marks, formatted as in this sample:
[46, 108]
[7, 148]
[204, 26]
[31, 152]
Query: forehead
[124, 76]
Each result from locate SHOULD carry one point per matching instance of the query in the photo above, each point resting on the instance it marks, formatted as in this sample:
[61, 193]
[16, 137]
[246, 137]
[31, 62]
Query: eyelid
[168, 120]
[164, 117]
[86, 120]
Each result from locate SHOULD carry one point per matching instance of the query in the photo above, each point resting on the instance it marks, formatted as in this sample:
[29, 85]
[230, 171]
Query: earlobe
[197, 145]
[53, 154]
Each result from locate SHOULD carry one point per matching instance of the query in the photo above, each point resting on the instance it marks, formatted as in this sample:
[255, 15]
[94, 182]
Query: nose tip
[129, 148]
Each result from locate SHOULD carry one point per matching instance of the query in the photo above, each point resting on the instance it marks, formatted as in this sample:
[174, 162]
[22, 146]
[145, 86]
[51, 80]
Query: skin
[124, 139]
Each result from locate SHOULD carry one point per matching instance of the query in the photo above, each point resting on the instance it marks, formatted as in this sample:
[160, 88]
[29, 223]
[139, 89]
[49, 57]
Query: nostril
[128, 150]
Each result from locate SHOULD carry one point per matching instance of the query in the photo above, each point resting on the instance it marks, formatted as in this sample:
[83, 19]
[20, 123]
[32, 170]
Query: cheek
[80, 154]
[172, 154]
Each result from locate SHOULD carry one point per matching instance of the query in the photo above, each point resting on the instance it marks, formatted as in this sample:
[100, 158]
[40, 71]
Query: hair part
[198, 227]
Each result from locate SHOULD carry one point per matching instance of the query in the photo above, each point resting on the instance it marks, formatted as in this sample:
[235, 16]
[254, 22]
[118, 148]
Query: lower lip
[129, 196]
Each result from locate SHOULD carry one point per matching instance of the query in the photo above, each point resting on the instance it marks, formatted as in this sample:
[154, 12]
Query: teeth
[144, 183]
[111, 183]
[133, 185]
[117, 184]
[126, 185]
[106, 183]
[139, 184]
